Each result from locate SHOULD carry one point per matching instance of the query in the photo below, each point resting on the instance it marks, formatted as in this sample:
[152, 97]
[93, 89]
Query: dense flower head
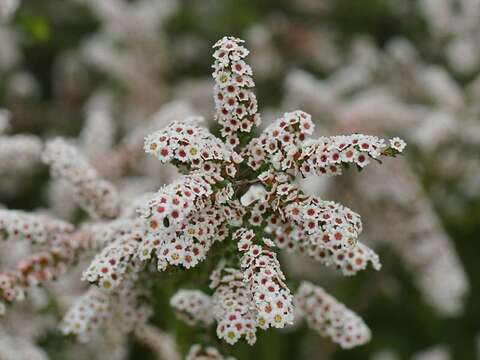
[325, 222]
[235, 103]
[117, 259]
[348, 261]
[174, 202]
[285, 145]
[188, 144]
[232, 306]
[42, 266]
[271, 297]
[187, 242]
[87, 314]
[325, 246]
[331, 318]
[281, 141]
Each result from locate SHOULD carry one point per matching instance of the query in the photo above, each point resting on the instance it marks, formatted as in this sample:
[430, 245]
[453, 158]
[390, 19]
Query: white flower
[398, 144]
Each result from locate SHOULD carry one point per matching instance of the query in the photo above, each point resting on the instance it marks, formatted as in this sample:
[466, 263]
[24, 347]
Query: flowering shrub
[237, 193]
[210, 203]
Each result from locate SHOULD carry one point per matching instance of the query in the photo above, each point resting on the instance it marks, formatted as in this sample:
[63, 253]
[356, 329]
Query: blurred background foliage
[401, 322]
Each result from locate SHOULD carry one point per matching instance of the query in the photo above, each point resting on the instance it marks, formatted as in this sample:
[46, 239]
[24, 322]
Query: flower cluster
[349, 260]
[284, 144]
[251, 208]
[87, 315]
[124, 309]
[34, 228]
[236, 105]
[271, 297]
[188, 144]
[96, 196]
[324, 222]
[188, 244]
[174, 202]
[186, 217]
[42, 266]
[331, 318]
[325, 230]
[280, 143]
[232, 308]
[117, 259]
[241, 190]
[193, 306]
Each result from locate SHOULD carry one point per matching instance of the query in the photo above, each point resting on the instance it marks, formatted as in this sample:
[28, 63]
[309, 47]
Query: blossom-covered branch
[240, 190]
